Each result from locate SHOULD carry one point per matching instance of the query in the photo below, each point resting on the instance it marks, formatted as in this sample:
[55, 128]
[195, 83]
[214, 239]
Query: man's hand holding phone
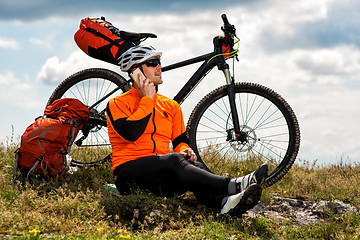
[137, 76]
[143, 85]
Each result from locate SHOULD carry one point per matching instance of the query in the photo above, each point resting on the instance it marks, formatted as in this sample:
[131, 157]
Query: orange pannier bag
[101, 40]
[46, 142]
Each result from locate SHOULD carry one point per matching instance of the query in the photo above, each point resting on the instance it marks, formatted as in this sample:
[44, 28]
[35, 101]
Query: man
[141, 125]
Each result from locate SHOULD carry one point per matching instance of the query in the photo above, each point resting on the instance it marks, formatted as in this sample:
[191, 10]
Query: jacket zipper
[152, 135]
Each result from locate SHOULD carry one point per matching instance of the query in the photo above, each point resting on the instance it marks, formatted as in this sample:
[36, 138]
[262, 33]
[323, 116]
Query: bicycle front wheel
[94, 87]
[269, 132]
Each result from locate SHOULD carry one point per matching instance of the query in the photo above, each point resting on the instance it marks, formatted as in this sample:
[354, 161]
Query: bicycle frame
[196, 78]
[209, 60]
[201, 72]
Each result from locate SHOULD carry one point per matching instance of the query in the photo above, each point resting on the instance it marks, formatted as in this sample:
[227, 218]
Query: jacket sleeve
[180, 140]
[129, 125]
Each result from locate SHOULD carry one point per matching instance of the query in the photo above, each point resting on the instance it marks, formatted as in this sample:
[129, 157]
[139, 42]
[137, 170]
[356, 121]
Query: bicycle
[238, 121]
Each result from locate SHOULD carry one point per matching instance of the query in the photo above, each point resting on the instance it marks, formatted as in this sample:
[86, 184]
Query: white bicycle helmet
[136, 55]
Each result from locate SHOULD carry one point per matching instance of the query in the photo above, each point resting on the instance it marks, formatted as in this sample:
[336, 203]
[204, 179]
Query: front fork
[224, 67]
[234, 113]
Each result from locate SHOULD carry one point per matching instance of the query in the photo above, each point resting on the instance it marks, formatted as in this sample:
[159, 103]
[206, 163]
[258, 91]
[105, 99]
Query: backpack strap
[75, 124]
[38, 160]
[65, 161]
[16, 165]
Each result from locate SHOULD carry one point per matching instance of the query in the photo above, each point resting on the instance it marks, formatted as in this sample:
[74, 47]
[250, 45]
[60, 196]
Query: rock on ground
[299, 212]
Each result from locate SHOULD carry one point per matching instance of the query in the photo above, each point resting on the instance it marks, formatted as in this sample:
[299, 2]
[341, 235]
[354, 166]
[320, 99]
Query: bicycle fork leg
[231, 94]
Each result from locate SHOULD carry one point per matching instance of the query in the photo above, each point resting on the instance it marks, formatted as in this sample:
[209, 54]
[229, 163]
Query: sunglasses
[153, 62]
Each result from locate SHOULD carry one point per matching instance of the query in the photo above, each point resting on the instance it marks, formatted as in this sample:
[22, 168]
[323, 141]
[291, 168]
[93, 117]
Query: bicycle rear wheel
[94, 87]
[269, 132]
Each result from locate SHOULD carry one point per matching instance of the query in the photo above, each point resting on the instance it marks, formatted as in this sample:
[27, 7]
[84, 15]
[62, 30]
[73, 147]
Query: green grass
[78, 207]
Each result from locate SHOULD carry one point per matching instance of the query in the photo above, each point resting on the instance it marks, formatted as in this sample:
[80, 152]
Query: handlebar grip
[225, 20]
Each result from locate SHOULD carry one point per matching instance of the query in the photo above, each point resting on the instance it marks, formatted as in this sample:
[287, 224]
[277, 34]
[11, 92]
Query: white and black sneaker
[259, 176]
[239, 203]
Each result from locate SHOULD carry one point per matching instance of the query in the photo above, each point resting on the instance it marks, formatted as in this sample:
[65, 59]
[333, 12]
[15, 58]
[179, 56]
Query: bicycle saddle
[136, 36]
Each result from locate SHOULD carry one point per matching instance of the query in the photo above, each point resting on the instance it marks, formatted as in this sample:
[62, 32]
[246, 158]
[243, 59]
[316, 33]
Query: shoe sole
[250, 198]
[261, 174]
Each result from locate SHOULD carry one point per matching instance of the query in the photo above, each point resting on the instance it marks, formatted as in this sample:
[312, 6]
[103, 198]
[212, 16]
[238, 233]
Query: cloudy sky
[308, 51]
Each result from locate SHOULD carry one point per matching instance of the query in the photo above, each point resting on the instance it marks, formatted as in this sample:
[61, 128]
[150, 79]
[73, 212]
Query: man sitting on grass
[141, 124]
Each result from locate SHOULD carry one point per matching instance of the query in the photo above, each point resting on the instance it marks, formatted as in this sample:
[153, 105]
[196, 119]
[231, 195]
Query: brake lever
[229, 31]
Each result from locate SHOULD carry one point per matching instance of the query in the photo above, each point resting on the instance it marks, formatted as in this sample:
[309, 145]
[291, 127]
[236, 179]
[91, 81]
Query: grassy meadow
[78, 207]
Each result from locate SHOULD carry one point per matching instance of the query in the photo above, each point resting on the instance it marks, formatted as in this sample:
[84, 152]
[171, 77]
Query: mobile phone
[137, 75]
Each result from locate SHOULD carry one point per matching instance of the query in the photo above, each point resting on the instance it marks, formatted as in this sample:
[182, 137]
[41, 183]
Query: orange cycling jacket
[140, 127]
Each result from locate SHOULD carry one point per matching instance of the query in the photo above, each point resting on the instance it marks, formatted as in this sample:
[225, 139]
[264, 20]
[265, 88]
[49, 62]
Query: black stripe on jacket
[129, 130]
[183, 138]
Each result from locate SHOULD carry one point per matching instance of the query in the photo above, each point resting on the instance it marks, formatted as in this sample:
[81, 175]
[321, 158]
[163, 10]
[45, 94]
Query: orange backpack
[101, 40]
[46, 142]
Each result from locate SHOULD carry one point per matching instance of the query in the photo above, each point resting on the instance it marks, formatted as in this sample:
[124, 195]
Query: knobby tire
[270, 131]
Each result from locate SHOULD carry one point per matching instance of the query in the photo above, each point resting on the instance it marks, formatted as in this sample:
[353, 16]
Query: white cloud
[9, 43]
[41, 42]
[340, 60]
[7, 79]
[55, 70]
[329, 125]
[192, 31]
[279, 25]
[14, 92]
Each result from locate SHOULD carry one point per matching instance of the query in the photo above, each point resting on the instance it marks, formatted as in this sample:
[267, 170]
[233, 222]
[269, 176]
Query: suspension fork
[231, 95]
[224, 67]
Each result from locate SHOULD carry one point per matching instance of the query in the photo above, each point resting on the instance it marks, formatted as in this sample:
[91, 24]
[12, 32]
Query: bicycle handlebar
[225, 20]
[229, 31]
